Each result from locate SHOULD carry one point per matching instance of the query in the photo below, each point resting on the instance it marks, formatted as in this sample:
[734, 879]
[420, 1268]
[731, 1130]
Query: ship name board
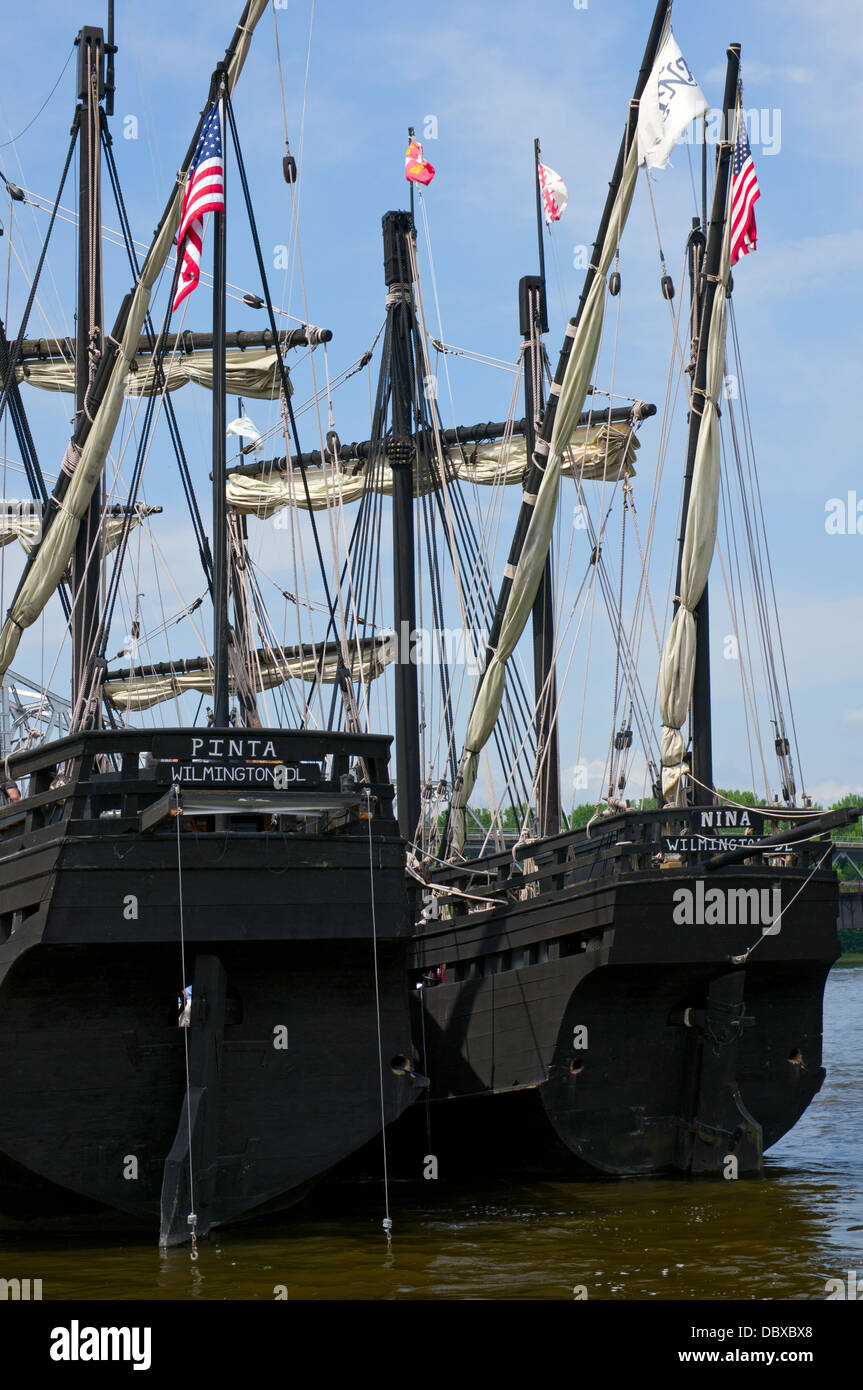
[700, 844]
[239, 748]
[279, 776]
[235, 760]
[723, 818]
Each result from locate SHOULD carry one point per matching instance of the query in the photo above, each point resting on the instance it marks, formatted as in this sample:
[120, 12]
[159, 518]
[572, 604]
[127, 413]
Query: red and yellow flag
[417, 169]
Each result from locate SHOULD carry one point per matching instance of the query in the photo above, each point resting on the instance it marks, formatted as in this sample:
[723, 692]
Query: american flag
[744, 195]
[205, 192]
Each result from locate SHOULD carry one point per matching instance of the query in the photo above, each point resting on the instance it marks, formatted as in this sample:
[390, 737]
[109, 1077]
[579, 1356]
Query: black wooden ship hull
[98, 1111]
[584, 1025]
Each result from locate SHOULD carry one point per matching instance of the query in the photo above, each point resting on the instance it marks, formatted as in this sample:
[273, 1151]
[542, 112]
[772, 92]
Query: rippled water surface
[777, 1237]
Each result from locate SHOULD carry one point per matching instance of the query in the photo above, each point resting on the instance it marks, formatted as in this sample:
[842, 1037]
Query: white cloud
[828, 792]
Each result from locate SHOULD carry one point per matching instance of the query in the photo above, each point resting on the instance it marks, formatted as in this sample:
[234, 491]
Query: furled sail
[595, 452]
[52, 558]
[23, 523]
[526, 580]
[677, 667]
[247, 373]
[145, 687]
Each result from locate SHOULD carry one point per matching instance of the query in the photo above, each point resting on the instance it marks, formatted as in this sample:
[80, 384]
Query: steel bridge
[29, 714]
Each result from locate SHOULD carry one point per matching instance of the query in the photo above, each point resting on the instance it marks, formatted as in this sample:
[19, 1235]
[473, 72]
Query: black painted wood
[586, 938]
[94, 1086]
[191, 1168]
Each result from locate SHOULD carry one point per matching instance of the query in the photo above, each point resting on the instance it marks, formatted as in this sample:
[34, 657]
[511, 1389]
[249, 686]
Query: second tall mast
[220, 522]
[86, 560]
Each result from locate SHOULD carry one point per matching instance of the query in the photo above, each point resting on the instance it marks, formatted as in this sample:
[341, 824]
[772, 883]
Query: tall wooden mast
[86, 561]
[533, 322]
[220, 506]
[533, 473]
[401, 451]
[704, 291]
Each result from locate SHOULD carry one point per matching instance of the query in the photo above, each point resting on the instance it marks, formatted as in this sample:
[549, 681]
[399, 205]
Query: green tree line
[512, 817]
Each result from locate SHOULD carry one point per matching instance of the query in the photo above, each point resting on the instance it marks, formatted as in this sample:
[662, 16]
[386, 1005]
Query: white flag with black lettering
[671, 99]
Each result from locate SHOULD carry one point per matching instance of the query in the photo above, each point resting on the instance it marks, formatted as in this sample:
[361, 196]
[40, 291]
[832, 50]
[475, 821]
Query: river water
[779, 1237]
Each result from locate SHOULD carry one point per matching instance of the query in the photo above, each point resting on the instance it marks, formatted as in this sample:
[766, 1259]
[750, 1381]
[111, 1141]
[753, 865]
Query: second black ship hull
[581, 1024]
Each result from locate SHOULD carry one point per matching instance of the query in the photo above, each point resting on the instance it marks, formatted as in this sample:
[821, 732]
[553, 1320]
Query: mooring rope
[191, 1218]
[744, 956]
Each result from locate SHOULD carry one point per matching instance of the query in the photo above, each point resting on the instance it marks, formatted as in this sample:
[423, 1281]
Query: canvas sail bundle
[52, 558]
[525, 584]
[21, 523]
[24, 524]
[248, 372]
[601, 451]
[142, 690]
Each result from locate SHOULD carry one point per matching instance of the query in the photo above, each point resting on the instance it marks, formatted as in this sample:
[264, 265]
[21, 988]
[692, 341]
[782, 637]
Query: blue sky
[493, 76]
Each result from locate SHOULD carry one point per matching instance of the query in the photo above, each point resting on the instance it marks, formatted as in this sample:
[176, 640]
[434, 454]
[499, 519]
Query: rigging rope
[342, 636]
[16, 350]
[191, 1217]
[749, 698]
[744, 957]
[477, 556]
[15, 138]
[160, 378]
[754, 477]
